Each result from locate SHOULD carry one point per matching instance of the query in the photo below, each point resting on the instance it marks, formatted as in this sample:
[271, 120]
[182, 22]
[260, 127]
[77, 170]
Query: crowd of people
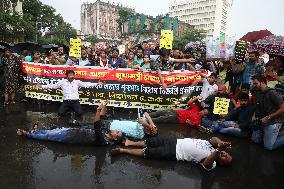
[256, 108]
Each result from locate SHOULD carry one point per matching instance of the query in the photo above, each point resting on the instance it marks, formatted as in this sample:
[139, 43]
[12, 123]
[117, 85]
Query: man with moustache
[70, 87]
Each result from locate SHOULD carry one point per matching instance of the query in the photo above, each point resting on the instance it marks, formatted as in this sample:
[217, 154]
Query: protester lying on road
[205, 153]
[101, 135]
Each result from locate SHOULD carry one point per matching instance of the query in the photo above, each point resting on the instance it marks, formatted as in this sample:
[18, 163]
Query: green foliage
[93, 40]
[124, 13]
[188, 36]
[14, 27]
[37, 18]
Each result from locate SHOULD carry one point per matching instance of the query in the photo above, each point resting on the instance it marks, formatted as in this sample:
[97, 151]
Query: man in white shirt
[209, 87]
[203, 152]
[70, 87]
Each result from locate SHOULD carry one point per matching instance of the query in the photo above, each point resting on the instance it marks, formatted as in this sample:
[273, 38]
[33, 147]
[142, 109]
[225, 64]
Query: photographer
[268, 117]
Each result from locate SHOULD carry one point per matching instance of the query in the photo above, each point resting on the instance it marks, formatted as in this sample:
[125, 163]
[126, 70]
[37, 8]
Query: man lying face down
[101, 135]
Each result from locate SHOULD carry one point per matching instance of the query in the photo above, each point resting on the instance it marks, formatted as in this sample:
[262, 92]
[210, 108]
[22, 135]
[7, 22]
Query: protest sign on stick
[167, 37]
[240, 50]
[75, 47]
[221, 106]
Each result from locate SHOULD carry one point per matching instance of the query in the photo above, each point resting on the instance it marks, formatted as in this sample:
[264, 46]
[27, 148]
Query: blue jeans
[269, 135]
[230, 130]
[214, 125]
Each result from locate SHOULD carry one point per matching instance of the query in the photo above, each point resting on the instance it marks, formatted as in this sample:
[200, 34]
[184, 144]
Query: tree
[37, 19]
[14, 27]
[124, 13]
[188, 36]
[92, 39]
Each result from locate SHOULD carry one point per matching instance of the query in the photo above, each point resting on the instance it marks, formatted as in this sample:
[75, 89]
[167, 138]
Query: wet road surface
[32, 164]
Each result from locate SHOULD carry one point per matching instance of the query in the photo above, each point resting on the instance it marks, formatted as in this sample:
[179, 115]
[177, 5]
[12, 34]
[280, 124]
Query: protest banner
[221, 106]
[167, 37]
[220, 47]
[123, 87]
[75, 47]
[240, 50]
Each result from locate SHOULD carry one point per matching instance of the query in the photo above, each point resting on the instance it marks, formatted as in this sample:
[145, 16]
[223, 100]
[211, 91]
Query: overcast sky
[247, 15]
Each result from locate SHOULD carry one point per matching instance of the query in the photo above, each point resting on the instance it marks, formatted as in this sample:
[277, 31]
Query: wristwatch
[269, 117]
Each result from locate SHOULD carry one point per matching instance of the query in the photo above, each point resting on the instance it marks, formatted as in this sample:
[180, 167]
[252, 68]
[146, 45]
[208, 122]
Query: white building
[211, 15]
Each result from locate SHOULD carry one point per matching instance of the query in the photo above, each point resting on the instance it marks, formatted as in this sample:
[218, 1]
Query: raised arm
[51, 86]
[191, 60]
[88, 84]
[161, 79]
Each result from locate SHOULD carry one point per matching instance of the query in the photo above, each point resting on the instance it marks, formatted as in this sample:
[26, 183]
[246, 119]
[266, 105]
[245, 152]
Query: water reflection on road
[34, 164]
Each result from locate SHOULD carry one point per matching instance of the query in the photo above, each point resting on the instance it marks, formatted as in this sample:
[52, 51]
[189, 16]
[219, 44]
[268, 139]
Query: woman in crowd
[115, 61]
[130, 62]
[36, 57]
[145, 65]
[102, 60]
[11, 76]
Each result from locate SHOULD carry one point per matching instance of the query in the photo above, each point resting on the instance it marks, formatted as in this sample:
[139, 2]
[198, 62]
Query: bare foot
[188, 122]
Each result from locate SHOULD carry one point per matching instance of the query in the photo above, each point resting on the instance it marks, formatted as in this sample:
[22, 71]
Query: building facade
[213, 16]
[148, 26]
[100, 19]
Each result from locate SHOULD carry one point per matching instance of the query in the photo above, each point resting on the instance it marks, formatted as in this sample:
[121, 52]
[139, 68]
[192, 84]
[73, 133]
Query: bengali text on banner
[123, 87]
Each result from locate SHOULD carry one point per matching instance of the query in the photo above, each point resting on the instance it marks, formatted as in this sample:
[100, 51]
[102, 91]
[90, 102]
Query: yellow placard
[167, 37]
[221, 106]
[75, 47]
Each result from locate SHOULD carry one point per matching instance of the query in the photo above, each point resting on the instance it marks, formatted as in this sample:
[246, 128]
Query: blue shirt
[250, 70]
[116, 63]
[129, 128]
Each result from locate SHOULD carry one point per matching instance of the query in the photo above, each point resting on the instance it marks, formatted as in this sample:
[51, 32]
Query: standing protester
[44, 59]
[165, 63]
[209, 87]
[130, 62]
[115, 61]
[36, 57]
[250, 68]
[12, 70]
[268, 117]
[70, 87]
[139, 56]
[145, 65]
[60, 58]
[102, 59]
[84, 60]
